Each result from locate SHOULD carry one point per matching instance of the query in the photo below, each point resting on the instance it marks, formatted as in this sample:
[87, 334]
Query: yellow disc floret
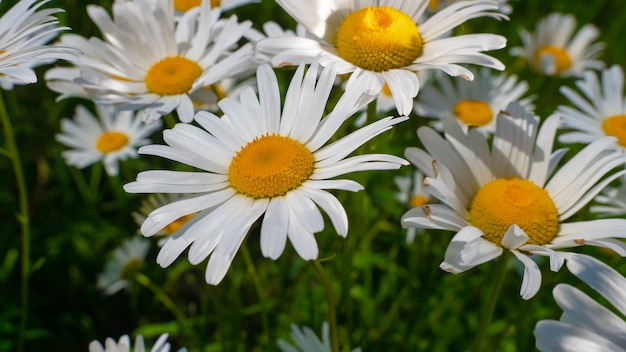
[616, 126]
[379, 38]
[111, 141]
[186, 5]
[507, 201]
[177, 224]
[562, 59]
[473, 112]
[418, 200]
[172, 75]
[270, 166]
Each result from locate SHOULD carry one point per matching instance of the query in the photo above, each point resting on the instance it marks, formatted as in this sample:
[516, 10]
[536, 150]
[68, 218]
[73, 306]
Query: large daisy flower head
[600, 110]
[585, 324]
[111, 137]
[124, 345]
[255, 161]
[554, 50]
[24, 31]
[508, 197]
[151, 62]
[386, 41]
[474, 104]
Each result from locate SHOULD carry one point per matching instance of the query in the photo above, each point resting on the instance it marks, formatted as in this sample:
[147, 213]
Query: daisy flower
[505, 198]
[152, 62]
[24, 31]
[305, 340]
[258, 161]
[601, 110]
[124, 345]
[112, 137]
[412, 193]
[552, 50]
[586, 325]
[207, 97]
[155, 201]
[386, 41]
[475, 103]
[126, 259]
[612, 201]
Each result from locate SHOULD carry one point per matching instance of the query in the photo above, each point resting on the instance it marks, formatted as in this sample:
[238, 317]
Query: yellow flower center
[177, 224]
[186, 5]
[418, 201]
[386, 90]
[433, 5]
[473, 112]
[379, 38]
[111, 141]
[616, 126]
[270, 166]
[172, 75]
[561, 57]
[130, 268]
[507, 201]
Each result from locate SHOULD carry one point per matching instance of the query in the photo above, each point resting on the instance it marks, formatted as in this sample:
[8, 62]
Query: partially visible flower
[601, 109]
[126, 260]
[473, 103]
[110, 138]
[271, 29]
[151, 62]
[305, 340]
[612, 201]
[24, 31]
[383, 42]
[551, 49]
[508, 198]
[436, 5]
[586, 325]
[260, 160]
[225, 5]
[413, 194]
[155, 201]
[207, 97]
[123, 345]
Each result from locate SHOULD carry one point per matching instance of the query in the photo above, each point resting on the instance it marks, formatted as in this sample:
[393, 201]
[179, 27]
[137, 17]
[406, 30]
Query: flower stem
[331, 316]
[260, 294]
[23, 216]
[489, 304]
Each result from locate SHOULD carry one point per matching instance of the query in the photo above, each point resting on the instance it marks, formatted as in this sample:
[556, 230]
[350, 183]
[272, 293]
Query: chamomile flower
[551, 49]
[386, 41]
[612, 201]
[155, 201]
[24, 31]
[124, 345]
[413, 194]
[601, 110]
[305, 340]
[151, 62]
[505, 198]
[257, 161]
[112, 137]
[475, 103]
[127, 258]
[585, 324]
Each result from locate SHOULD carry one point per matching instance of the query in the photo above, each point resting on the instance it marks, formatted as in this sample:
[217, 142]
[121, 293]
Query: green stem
[490, 303]
[260, 292]
[165, 299]
[331, 316]
[23, 216]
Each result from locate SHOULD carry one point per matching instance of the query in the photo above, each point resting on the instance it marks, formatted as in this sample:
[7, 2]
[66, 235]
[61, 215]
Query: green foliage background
[391, 295]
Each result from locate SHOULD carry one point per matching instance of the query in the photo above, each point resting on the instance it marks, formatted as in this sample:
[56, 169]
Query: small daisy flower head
[155, 201]
[258, 161]
[585, 324]
[386, 41]
[412, 193]
[611, 202]
[151, 62]
[124, 345]
[111, 137]
[208, 96]
[509, 197]
[555, 50]
[24, 31]
[474, 104]
[305, 340]
[126, 260]
[600, 111]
